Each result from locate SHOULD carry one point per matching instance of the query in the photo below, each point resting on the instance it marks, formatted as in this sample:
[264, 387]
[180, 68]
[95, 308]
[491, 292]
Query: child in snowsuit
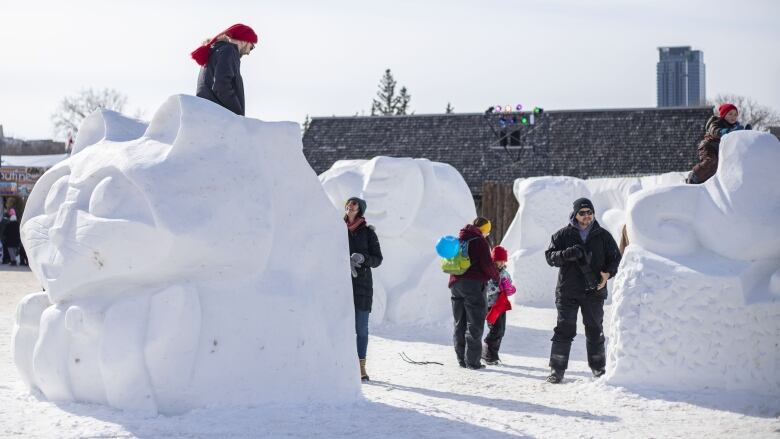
[707, 151]
[498, 305]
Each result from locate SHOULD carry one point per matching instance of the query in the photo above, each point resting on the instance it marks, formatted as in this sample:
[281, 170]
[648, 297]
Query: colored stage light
[498, 108]
[524, 120]
[519, 107]
[502, 122]
[538, 110]
[508, 109]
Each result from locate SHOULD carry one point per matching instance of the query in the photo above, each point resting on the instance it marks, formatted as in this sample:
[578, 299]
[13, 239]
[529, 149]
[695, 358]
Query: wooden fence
[499, 205]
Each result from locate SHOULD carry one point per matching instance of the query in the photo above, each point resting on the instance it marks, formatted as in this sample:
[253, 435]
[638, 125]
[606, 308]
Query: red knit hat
[238, 31]
[498, 254]
[724, 109]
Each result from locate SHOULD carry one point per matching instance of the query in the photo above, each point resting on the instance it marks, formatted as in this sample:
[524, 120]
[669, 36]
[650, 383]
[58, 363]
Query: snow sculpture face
[155, 254]
[113, 212]
[411, 203]
[734, 214]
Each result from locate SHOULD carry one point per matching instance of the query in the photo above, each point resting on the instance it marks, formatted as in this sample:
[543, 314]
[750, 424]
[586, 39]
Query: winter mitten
[355, 261]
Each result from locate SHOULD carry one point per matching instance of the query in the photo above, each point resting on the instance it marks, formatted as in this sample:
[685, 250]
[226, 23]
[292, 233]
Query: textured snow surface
[173, 280]
[408, 401]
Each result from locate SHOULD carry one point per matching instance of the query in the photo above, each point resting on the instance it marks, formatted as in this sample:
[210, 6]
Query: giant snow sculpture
[411, 203]
[199, 264]
[697, 300]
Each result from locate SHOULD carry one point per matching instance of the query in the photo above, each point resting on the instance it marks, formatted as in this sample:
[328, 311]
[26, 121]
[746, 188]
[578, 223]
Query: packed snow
[411, 204]
[698, 295]
[174, 281]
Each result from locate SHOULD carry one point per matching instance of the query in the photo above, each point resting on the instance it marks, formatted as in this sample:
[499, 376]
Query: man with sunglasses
[220, 59]
[587, 256]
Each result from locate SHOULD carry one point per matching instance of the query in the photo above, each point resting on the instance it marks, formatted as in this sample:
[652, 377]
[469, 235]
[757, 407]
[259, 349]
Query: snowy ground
[406, 400]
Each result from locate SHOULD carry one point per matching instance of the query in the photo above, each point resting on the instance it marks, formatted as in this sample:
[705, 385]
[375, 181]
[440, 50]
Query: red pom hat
[724, 109]
[498, 254]
[238, 31]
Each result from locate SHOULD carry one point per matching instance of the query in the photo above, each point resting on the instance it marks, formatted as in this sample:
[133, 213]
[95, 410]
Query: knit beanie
[724, 109]
[498, 254]
[361, 205]
[238, 31]
[581, 203]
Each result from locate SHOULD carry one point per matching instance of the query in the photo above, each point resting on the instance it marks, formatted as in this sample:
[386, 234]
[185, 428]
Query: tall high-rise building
[680, 77]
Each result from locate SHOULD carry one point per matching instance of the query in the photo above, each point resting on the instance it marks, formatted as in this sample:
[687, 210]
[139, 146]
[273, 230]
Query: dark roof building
[578, 143]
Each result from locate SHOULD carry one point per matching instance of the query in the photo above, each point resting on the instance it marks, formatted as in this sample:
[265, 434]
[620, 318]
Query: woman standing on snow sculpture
[365, 254]
[220, 59]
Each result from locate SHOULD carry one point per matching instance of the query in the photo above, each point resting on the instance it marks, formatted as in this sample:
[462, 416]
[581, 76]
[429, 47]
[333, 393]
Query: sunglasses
[585, 213]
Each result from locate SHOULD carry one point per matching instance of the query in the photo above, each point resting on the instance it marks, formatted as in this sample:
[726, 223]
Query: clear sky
[325, 58]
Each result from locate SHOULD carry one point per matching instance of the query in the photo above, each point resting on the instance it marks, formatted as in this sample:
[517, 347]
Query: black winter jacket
[605, 257]
[220, 79]
[364, 241]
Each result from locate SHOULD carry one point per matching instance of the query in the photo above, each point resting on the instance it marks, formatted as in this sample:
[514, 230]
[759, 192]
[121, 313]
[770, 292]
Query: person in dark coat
[12, 238]
[587, 256]
[469, 304]
[707, 151]
[220, 59]
[365, 254]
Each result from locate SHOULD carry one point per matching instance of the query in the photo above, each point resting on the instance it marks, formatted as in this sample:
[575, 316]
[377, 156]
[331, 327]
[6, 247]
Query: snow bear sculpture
[697, 300]
[411, 203]
[177, 273]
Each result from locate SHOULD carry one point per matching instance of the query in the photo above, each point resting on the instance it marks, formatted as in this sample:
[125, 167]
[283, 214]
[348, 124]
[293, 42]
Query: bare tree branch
[74, 109]
[751, 112]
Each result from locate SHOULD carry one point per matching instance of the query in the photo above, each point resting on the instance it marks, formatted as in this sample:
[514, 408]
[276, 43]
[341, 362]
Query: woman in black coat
[220, 59]
[365, 254]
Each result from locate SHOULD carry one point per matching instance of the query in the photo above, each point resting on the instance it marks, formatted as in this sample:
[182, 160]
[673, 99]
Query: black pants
[469, 309]
[493, 339]
[592, 317]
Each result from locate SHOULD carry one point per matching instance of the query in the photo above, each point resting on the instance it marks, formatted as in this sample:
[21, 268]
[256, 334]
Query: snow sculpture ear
[396, 187]
[107, 125]
[187, 122]
[663, 220]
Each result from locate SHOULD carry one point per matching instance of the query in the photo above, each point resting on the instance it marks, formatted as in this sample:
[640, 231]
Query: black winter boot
[556, 376]
[597, 373]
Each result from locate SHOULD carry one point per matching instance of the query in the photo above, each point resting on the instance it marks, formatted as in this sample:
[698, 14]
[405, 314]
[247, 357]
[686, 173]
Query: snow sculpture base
[687, 325]
[200, 264]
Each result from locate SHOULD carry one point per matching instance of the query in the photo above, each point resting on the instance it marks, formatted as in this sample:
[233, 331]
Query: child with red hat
[716, 127]
[498, 304]
[220, 59]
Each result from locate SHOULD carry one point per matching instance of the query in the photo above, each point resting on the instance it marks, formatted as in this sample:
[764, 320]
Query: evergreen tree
[450, 109]
[402, 102]
[306, 123]
[387, 102]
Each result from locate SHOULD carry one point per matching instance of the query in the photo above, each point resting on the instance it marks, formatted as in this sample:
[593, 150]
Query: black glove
[748, 127]
[572, 253]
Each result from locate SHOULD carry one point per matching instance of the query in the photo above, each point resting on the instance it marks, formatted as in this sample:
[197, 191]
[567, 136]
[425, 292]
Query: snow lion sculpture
[697, 298]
